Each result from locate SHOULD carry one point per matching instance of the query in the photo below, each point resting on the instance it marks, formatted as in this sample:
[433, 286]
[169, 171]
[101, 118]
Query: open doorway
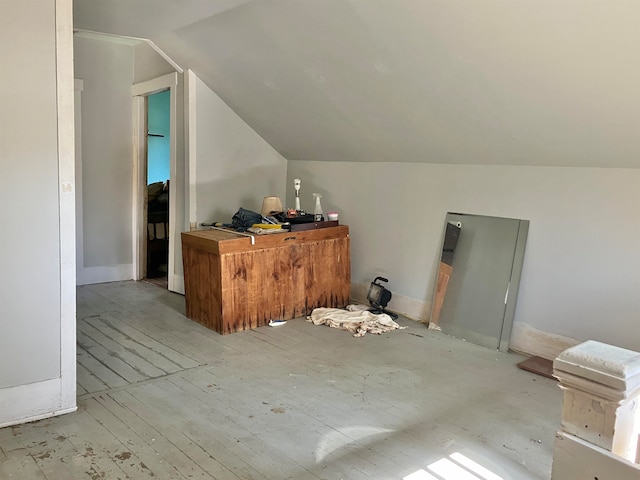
[154, 179]
[158, 187]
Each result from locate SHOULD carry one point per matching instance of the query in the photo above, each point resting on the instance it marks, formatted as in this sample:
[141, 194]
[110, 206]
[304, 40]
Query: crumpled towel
[358, 322]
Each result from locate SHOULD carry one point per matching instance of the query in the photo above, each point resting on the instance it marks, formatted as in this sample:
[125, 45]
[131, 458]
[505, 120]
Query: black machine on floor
[379, 297]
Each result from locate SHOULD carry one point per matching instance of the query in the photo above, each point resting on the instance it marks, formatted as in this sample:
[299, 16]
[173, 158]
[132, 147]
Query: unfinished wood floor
[160, 396]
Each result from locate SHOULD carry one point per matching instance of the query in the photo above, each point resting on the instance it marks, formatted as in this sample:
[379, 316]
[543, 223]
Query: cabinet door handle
[289, 238]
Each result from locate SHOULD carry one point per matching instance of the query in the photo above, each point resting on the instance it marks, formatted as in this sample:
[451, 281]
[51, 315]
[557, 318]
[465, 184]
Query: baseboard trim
[531, 341]
[406, 306]
[35, 401]
[524, 338]
[91, 275]
[177, 285]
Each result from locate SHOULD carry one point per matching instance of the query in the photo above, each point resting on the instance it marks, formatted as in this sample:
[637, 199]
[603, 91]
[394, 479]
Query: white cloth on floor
[358, 322]
[357, 307]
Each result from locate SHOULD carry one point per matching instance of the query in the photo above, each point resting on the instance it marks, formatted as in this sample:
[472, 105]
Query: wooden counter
[232, 284]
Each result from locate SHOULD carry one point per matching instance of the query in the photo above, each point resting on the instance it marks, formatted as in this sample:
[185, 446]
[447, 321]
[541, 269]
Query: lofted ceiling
[520, 82]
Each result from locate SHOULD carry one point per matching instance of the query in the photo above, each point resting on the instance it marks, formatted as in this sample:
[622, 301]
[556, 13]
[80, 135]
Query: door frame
[140, 91]
[78, 87]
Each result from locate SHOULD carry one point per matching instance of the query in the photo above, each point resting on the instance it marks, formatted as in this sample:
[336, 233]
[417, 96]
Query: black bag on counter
[244, 218]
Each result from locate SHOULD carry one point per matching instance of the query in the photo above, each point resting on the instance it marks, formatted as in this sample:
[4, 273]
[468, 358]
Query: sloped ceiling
[520, 82]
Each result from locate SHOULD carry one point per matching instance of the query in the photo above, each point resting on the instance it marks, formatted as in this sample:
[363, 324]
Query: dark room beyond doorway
[158, 186]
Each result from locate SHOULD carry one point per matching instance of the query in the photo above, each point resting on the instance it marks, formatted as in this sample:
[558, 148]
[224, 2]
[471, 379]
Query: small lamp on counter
[270, 205]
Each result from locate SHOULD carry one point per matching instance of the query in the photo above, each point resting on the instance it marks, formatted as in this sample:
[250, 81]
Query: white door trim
[139, 233]
[139, 92]
[67, 204]
[155, 85]
[191, 152]
[78, 86]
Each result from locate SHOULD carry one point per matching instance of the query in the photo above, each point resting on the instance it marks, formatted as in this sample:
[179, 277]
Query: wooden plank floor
[161, 396]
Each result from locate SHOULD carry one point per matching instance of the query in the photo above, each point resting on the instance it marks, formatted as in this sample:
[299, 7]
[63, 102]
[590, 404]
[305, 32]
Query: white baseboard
[531, 341]
[524, 338]
[406, 306]
[89, 275]
[178, 284]
[35, 401]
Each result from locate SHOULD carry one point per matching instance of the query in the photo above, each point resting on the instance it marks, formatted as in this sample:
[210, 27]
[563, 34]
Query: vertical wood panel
[444, 273]
[214, 281]
[235, 295]
[295, 307]
[255, 285]
[189, 284]
[319, 277]
[342, 288]
[278, 276]
[328, 277]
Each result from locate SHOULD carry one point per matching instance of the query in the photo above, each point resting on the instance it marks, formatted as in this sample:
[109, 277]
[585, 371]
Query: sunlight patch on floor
[341, 437]
[419, 475]
[456, 467]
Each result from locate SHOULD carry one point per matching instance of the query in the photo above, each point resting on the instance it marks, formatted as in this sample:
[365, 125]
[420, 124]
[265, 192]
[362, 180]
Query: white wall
[582, 264]
[106, 69]
[458, 81]
[234, 166]
[37, 288]
[148, 64]
[109, 67]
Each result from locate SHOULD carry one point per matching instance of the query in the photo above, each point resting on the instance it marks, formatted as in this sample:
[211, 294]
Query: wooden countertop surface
[222, 241]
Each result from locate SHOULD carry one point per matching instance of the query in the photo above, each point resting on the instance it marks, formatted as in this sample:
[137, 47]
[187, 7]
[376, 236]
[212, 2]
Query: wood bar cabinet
[234, 282]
